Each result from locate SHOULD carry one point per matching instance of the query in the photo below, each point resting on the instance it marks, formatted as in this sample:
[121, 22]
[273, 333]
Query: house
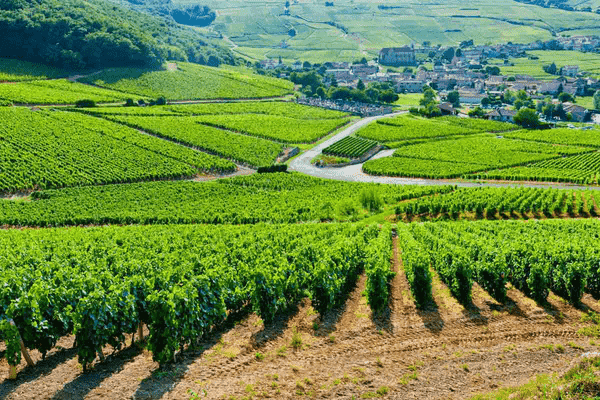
[471, 96]
[297, 66]
[364, 70]
[503, 115]
[579, 113]
[341, 75]
[570, 70]
[410, 85]
[447, 109]
[551, 88]
[397, 56]
[269, 64]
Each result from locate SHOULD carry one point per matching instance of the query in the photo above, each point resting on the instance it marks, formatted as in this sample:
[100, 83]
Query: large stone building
[397, 56]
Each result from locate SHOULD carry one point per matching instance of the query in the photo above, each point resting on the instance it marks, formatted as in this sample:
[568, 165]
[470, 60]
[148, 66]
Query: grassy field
[352, 29]
[192, 81]
[588, 62]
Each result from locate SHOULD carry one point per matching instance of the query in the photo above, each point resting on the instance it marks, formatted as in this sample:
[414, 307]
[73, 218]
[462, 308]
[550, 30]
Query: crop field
[349, 30]
[578, 137]
[588, 62]
[272, 198]
[281, 129]
[191, 82]
[407, 127]
[350, 146]
[456, 157]
[58, 91]
[12, 70]
[42, 149]
[189, 131]
[295, 303]
[277, 108]
[249, 132]
[503, 203]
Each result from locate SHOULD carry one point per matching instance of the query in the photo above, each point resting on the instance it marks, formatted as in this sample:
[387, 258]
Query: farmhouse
[396, 56]
[502, 115]
[570, 70]
[579, 113]
[447, 109]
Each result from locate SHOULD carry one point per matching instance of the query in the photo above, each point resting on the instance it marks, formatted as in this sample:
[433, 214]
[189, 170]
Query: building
[270, 64]
[341, 75]
[397, 56]
[364, 70]
[447, 109]
[503, 115]
[410, 86]
[471, 97]
[570, 70]
[579, 113]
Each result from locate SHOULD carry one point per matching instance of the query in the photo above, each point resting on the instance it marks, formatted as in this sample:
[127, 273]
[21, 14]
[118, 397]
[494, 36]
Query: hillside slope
[96, 33]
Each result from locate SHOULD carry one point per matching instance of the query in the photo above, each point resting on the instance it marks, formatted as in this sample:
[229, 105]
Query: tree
[597, 100]
[564, 97]
[448, 54]
[454, 98]
[458, 53]
[306, 65]
[429, 96]
[388, 96]
[550, 69]
[477, 112]
[360, 85]
[508, 97]
[486, 102]
[292, 32]
[527, 118]
[321, 92]
[492, 70]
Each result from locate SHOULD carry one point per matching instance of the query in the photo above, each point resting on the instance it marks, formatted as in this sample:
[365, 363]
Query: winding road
[354, 173]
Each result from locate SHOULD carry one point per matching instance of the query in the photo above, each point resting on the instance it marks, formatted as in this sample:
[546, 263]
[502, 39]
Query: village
[464, 70]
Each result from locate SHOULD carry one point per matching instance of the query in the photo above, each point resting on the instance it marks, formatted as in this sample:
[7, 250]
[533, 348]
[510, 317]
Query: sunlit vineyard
[191, 81]
[351, 146]
[43, 149]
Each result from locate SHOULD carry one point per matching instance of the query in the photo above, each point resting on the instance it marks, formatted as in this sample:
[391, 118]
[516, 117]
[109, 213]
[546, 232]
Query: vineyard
[251, 150]
[496, 253]
[407, 127]
[191, 81]
[100, 284]
[57, 92]
[582, 169]
[350, 146]
[575, 137]
[43, 149]
[468, 155]
[273, 198]
[277, 108]
[503, 203]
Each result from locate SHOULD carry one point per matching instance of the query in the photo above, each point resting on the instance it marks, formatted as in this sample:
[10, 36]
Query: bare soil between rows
[447, 351]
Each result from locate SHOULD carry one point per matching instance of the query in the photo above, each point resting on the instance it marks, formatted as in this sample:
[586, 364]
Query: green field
[452, 158]
[588, 62]
[41, 149]
[274, 198]
[59, 91]
[192, 82]
[352, 29]
[408, 126]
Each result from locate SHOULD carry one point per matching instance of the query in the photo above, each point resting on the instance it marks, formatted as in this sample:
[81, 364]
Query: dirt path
[446, 351]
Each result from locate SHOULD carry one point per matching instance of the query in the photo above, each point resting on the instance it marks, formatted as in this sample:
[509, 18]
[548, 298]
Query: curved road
[354, 173]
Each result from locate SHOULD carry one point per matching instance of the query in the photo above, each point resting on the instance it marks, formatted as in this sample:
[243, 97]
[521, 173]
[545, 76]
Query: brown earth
[445, 352]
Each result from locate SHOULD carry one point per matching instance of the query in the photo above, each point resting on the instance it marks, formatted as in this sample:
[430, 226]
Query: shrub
[85, 103]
